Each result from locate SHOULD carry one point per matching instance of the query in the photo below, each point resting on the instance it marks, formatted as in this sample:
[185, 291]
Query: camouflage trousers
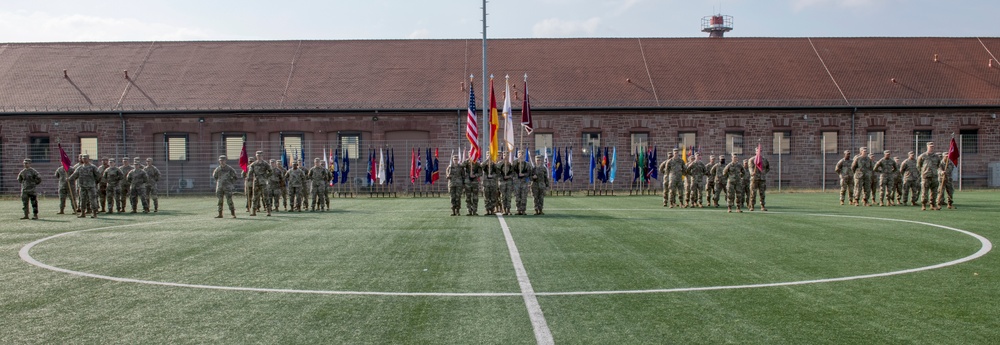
[455, 192]
[709, 190]
[276, 193]
[758, 187]
[886, 188]
[114, 201]
[719, 189]
[88, 199]
[228, 196]
[675, 190]
[138, 194]
[491, 192]
[734, 193]
[472, 198]
[521, 191]
[126, 192]
[945, 192]
[538, 196]
[259, 197]
[694, 189]
[153, 195]
[911, 191]
[102, 194]
[29, 198]
[318, 196]
[248, 194]
[929, 191]
[295, 194]
[863, 189]
[506, 194]
[846, 188]
[63, 195]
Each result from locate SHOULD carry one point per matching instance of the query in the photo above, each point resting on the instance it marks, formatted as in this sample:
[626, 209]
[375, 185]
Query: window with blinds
[177, 147]
[234, 146]
[292, 143]
[88, 145]
[352, 143]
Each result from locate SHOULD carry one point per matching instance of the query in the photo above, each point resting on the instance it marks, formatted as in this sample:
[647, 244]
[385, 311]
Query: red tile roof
[563, 73]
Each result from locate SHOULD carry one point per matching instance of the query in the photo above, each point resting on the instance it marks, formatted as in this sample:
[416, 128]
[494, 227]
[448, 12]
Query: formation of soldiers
[928, 177]
[501, 181]
[267, 184]
[106, 188]
[697, 184]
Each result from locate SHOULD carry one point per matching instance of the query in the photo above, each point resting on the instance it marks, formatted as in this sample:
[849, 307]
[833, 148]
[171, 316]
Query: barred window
[830, 142]
[38, 149]
[233, 145]
[876, 141]
[782, 143]
[177, 147]
[969, 140]
[352, 143]
[734, 143]
[640, 141]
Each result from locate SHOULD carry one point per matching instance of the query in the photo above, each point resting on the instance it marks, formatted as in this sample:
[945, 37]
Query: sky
[196, 20]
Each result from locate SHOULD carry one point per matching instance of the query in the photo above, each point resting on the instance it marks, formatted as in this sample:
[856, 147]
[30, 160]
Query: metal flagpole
[960, 162]
[822, 152]
[486, 99]
[779, 162]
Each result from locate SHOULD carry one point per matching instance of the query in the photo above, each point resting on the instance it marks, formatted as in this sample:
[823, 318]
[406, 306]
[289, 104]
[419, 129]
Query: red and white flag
[472, 127]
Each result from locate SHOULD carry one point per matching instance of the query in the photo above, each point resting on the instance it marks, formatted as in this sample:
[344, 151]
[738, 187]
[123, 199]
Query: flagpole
[485, 96]
[959, 160]
[822, 152]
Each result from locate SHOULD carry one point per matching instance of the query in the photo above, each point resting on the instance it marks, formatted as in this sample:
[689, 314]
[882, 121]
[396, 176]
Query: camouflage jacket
[113, 176]
[86, 176]
[225, 178]
[29, 179]
[928, 164]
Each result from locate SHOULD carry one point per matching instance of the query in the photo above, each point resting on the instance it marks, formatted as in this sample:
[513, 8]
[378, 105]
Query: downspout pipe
[124, 140]
[853, 115]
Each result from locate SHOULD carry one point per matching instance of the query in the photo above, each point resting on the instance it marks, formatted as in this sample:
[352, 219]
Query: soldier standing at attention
[248, 184]
[113, 178]
[260, 173]
[507, 176]
[277, 183]
[102, 185]
[862, 168]
[473, 172]
[696, 177]
[137, 179]
[928, 165]
[87, 178]
[456, 184]
[539, 185]
[491, 189]
[897, 186]
[521, 171]
[295, 180]
[733, 174]
[76, 186]
[758, 181]
[911, 183]
[720, 181]
[64, 186]
[946, 190]
[126, 190]
[675, 178]
[318, 176]
[283, 191]
[886, 170]
[710, 181]
[151, 185]
[874, 179]
[843, 170]
[225, 176]
[29, 179]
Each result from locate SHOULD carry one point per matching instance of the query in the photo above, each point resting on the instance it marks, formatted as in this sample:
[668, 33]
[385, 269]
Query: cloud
[45, 27]
[623, 6]
[799, 5]
[420, 34]
[555, 27]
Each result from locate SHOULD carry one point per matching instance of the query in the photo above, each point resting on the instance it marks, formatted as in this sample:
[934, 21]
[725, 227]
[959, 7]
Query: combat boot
[730, 209]
[738, 209]
[94, 215]
[25, 215]
[219, 215]
[233, 212]
[34, 216]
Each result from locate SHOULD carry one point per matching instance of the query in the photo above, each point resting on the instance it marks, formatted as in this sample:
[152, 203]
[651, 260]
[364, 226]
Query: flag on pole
[614, 164]
[346, 168]
[757, 160]
[335, 168]
[371, 167]
[684, 154]
[953, 153]
[529, 127]
[556, 167]
[284, 158]
[390, 168]
[413, 166]
[494, 125]
[545, 160]
[508, 128]
[326, 162]
[381, 166]
[652, 172]
[471, 126]
[605, 166]
[569, 165]
[593, 165]
[434, 173]
[66, 162]
[430, 166]
[244, 160]
[635, 167]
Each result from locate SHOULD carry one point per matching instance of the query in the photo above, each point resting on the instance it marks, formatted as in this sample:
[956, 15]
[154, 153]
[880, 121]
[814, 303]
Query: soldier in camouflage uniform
[758, 181]
[137, 179]
[225, 177]
[696, 176]
[862, 167]
[319, 176]
[521, 171]
[277, 183]
[64, 186]
[282, 193]
[874, 180]
[473, 172]
[720, 181]
[897, 178]
[674, 178]
[87, 178]
[747, 164]
[733, 175]
[928, 164]
[151, 186]
[248, 184]
[125, 186]
[76, 186]
[102, 185]
[491, 190]
[456, 184]
[946, 191]
[29, 179]
[911, 179]
[843, 170]
[886, 170]
[113, 177]
[260, 174]
[710, 180]
[507, 176]
[295, 179]
[539, 185]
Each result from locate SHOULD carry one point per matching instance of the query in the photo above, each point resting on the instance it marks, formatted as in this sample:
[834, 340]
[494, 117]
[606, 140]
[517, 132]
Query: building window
[352, 143]
[782, 143]
[640, 141]
[177, 147]
[543, 141]
[688, 140]
[234, 145]
[830, 142]
[38, 149]
[88, 145]
[292, 144]
[920, 140]
[969, 139]
[734, 143]
[876, 141]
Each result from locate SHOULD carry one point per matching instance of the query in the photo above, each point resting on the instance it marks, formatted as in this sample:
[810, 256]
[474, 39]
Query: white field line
[542, 333]
[986, 247]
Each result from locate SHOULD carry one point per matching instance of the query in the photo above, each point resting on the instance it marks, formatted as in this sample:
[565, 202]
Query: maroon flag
[64, 158]
[244, 160]
[758, 161]
[953, 152]
[526, 110]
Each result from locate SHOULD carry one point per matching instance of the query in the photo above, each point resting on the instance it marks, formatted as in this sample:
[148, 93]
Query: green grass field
[604, 270]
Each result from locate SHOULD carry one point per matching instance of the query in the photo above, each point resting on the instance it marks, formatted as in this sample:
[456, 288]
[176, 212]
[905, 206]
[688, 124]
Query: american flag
[472, 128]
[526, 110]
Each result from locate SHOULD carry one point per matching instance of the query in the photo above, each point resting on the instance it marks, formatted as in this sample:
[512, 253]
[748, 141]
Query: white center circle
[986, 247]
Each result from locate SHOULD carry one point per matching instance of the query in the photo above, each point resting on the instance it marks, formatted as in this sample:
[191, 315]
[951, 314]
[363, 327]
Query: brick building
[803, 99]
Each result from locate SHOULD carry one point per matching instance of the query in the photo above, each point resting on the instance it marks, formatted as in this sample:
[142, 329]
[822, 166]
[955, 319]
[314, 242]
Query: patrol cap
[930, 143]
[149, 159]
[538, 156]
[136, 159]
[85, 156]
[125, 159]
[222, 158]
[27, 160]
[885, 152]
[910, 153]
[675, 149]
[863, 149]
[260, 152]
[847, 152]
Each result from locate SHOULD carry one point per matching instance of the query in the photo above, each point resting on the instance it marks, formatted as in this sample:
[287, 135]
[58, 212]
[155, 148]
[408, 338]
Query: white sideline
[542, 333]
